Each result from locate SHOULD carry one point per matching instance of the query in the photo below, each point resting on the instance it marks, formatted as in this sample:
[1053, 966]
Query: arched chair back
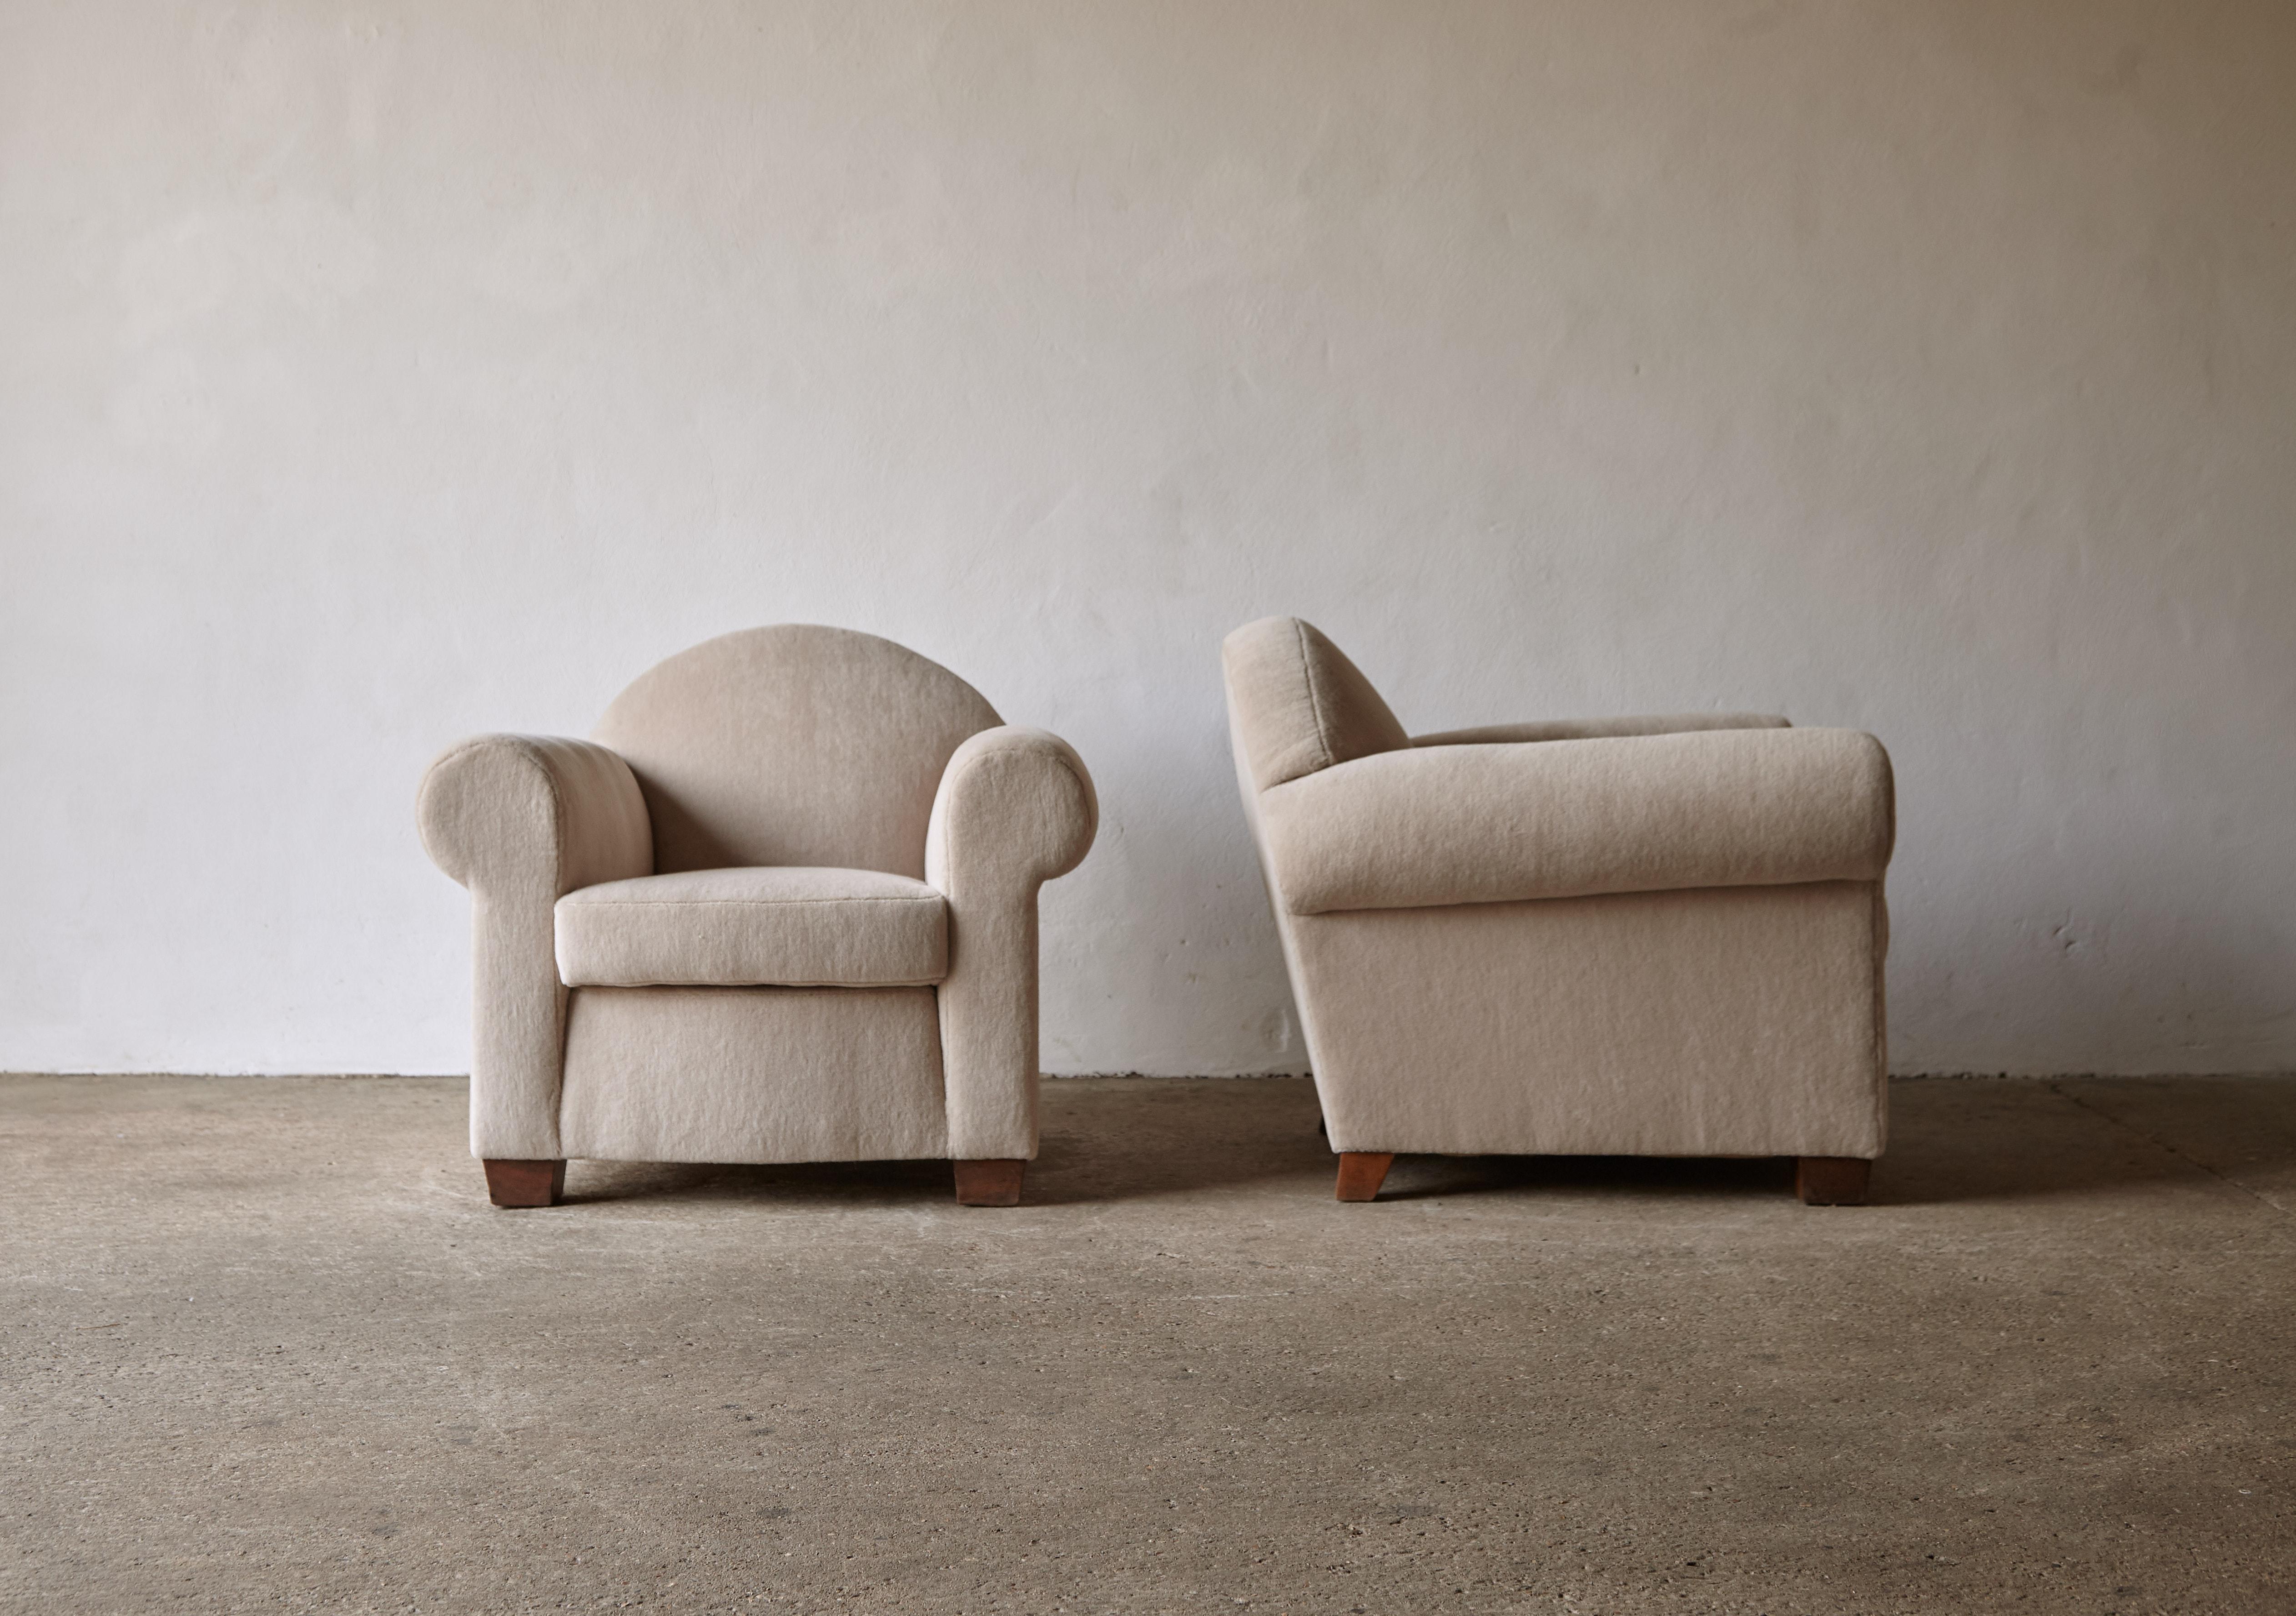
[795, 744]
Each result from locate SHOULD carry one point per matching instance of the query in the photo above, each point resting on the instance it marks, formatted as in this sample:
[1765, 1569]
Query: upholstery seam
[1568, 896]
[759, 903]
[561, 823]
[528, 747]
[1083, 791]
[920, 981]
[1018, 748]
[1314, 705]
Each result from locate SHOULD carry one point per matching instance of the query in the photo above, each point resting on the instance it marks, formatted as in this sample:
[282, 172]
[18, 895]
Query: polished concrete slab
[265, 1347]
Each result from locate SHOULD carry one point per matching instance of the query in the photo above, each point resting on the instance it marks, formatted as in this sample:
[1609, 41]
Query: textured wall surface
[370, 375]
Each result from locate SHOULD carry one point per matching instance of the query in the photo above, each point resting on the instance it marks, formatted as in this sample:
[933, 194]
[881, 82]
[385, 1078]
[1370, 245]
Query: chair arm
[522, 820]
[512, 812]
[1493, 824]
[1589, 729]
[1015, 809]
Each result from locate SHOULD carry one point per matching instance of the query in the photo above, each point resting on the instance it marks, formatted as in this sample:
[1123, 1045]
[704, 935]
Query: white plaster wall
[373, 375]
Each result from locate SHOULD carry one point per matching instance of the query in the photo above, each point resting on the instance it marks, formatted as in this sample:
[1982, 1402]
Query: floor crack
[2153, 1139]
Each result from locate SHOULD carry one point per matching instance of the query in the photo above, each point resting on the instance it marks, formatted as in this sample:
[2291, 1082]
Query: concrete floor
[265, 1347]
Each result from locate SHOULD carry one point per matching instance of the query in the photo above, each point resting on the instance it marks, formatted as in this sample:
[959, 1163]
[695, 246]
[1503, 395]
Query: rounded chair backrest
[792, 745]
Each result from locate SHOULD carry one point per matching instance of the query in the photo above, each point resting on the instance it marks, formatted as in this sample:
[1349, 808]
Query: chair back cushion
[795, 744]
[1298, 705]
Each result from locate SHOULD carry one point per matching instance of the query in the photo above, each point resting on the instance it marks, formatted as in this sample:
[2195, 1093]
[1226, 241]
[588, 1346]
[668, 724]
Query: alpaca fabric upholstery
[1302, 704]
[731, 878]
[792, 927]
[1648, 935]
[1016, 808]
[521, 820]
[753, 1074]
[1487, 823]
[1721, 1021]
[792, 745]
[1594, 729]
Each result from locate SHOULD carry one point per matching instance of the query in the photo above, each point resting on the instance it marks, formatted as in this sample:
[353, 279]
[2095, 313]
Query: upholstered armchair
[781, 908]
[1653, 937]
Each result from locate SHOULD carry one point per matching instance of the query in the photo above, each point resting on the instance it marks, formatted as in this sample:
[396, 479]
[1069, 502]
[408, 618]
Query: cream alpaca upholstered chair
[1652, 937]
[782, 907]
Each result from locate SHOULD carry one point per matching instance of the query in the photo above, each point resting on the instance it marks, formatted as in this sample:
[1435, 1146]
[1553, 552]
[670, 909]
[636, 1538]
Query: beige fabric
[1016, 807]
[520, 820]
[792, 745]
[1300, 704]
[1499, 1013]
[786, 783]
[1589, 729]
[1484, 823]
[752, 1074]
[734, 928]
[496, 810]
[1737, 1022]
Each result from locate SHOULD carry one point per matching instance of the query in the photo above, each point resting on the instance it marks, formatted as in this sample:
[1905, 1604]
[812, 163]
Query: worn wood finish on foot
[1362, 1172]
[1832, 1180]
[525, 1183]
[990, 1182]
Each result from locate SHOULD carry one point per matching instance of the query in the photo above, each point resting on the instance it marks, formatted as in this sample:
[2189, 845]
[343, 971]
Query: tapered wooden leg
[525, 1183]
[991, 1183]
[1832, 1180]
[1362, 1172]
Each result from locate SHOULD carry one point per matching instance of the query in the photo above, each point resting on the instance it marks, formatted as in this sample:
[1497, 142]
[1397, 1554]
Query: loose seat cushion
[767, 925]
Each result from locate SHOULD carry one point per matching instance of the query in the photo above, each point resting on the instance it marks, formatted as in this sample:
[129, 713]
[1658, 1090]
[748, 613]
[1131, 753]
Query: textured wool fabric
[1500, 1013]
[1016, 807]
[521, 820]
[790, 926]
[769, 827]
[1302, 705]
[1489, 824]
[1589, 729]
[1734, 1021]
[792, 745]
[752, 1074]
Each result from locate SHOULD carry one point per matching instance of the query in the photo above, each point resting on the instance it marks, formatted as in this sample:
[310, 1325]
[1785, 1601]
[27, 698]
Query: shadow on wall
[1955, 1141]
[2139, 989]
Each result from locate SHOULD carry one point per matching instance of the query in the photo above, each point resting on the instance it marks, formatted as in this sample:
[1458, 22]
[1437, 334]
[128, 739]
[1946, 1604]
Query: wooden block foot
[525, 1183]
[1832, 1180]
[1362, 1172]
[990, 1183]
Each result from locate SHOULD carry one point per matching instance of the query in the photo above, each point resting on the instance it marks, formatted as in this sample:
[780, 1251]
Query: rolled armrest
[522, 820]
[1015, 809]
[1470, 823]
[1589, 729]
[503, 811]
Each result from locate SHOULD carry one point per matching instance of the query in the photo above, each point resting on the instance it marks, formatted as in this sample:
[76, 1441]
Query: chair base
[1832, 1180]
[990, 1182]
[525, 1183]
[1362, 1172]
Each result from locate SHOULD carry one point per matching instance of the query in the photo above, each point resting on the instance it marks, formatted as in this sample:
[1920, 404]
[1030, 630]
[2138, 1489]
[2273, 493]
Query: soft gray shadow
[1977, 1140]
[1967, 1140]
[1103, 1140]
[854, 1186]
[1953, 1140]
[1421, 1178]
